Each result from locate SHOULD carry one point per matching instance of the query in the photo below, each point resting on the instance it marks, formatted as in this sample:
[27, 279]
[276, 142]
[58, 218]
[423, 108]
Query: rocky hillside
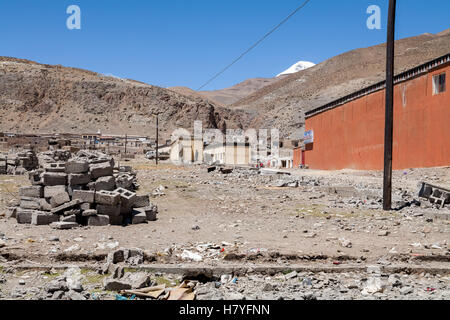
[283, 103]
[37, 98]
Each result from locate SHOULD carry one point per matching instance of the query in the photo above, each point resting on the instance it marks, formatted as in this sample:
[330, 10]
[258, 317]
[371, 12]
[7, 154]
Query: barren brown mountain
[229, 95]
[38, 98]
[283, 103]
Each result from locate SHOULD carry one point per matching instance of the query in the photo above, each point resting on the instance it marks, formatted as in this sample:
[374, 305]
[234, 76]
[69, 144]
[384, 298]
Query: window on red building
[439, 83]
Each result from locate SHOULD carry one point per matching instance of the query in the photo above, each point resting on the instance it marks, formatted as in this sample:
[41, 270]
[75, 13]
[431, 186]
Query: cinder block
[41, 218]
[55, 167]
[71, 189]
[107, 197]
[77, 166]
[124, 181]
[59, 199]
[98, 170]
[23, 216]
[76, 179]
[112, 211]
[127, 199]
[138, 217]
[116, 221]
[141, 201]
[54, 179]
[98, 221]
[67, 206]
[84, 196]
[105, 183]
[30, 203]
[32, 192]
[53, 190]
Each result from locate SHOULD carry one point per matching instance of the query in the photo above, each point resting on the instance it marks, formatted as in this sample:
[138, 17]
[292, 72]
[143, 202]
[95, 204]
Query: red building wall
[352, 135]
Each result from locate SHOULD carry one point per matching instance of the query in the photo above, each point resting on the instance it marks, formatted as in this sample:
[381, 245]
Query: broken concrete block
[55, 167]
[124, 181]
[11, 212]
[63, 225]
[35, 177]
[137, 280]
[54, 179]
[150, 212]
[77, 166]
[72, 212]
[84, 196]
[59, 199]
[76, 179]
[72, 218]
[112, 211]
[105, 183]
[138, 217]
[107, 197]
[72, 189]
[53, 190]
[98, 221]
[86, 206]
[66, 206]
[24, 216]
[45, 205]
[98, 170]
[39, 218]
[116, 256]
[89, 213]
[111, 284]
[30, 203]
[141, 201]
[32, 192]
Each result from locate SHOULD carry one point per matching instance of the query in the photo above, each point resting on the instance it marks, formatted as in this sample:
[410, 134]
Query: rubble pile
[85, 190]
[53, 156]
[18, 164]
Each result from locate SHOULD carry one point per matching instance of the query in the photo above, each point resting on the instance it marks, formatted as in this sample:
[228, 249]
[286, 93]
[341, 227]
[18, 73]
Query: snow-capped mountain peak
[299, 66]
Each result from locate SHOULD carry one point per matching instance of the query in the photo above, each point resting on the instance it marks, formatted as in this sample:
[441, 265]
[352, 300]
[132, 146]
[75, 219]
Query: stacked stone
[18, 164]
[85, 190]
[3, 164]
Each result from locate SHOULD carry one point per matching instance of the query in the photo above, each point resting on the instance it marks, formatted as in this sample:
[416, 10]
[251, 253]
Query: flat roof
[404, 76]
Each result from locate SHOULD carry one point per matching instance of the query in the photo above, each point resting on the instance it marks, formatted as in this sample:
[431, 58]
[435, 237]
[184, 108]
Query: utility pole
[157, 137]
[389, 119]
[126, 141]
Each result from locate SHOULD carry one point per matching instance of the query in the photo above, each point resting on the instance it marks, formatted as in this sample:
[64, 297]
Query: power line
[255, 45]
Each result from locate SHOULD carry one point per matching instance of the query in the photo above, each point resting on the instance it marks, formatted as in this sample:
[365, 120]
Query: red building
[349, 132]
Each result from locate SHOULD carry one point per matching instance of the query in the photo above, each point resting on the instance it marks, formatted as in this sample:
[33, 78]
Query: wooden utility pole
[389, 119]
[157, 138]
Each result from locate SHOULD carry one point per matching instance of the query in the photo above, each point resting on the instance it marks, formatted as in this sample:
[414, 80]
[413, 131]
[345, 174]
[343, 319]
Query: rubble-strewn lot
[323, 220]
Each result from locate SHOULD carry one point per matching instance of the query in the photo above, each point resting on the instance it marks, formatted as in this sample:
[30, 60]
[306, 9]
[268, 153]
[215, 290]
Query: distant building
[349, 132]
[228, 154]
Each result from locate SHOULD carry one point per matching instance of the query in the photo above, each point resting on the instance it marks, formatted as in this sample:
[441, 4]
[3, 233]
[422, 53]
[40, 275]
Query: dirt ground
[332, 218]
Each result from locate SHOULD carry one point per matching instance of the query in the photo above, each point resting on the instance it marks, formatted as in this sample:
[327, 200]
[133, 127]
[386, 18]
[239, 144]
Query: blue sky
[185, 42]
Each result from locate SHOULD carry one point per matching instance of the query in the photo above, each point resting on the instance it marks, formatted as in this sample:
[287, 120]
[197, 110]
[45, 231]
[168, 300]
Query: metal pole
[126, 141]
[157, 138]
[389, 119]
